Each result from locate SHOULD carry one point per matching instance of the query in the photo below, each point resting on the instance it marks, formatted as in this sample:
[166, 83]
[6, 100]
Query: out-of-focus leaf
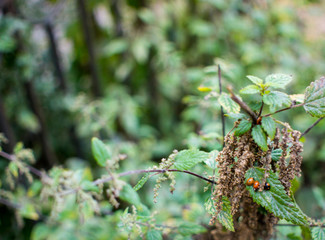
[318, 233]
[315, 98]
[89, 186]
[235, 116]
[250, 89]
[100, 152]
[255, 80]
[211, 161]
[278, 80]
[190, 228]
[154, 235]
[142, 181]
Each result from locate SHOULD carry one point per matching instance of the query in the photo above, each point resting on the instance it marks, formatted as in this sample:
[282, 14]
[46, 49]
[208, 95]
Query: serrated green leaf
[315, 98]
[228, 104]
[278, 80]
[276, 154]
[187, 159]
[275, 98]
[235, 116]
[13, 168]
[211, 161]
[224, 216]
[255, 80]
[141, 182]
[154, 235]
[275, 200]
[259, 137]
[100, 151]
[190, 228]
[87, 185]
[242, 127]
[318, 233]
[250, 89]
[129, 195]
[269, 126]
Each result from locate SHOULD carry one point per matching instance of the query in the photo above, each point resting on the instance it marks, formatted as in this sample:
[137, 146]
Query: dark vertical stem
[221, 112]
[5, 128]
[55, 56]
[56, 59]
[84, 19]
[36, 107]
[116, 13]
[261, 110]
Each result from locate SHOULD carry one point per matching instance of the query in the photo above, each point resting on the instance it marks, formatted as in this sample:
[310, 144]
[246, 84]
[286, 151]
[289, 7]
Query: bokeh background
[127, 71]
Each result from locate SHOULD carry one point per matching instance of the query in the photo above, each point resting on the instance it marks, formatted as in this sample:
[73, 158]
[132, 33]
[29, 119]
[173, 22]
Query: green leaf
[211, 161]
[259, 137]
[276, 154]
[29, 211]
[269, 126]
[275, 98]
[187, 159]
[275, 200]
[278, 80]
[154, 235]
[306, 232]
[255, 80]
[315, 98]
[13, 168]
[243, 127]
[129, 195]
[318, 233]
[87, 185]
[250, 89]
[228, 104]
[142, 181]
[224, 216]
[189, 228]
[100, 151]
[235, 116]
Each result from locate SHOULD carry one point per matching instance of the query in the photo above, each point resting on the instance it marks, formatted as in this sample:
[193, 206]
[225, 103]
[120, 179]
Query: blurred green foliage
[151, 56]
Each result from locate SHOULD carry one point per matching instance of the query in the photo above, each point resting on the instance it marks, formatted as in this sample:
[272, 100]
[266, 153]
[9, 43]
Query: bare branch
[284, 109]
[243, 105]
[308, 129]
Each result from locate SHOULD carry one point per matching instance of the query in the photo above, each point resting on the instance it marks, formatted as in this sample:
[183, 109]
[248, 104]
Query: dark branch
[222, 113]
[261, 110]
[243, 105]
[132, 172]
[308, 129]
[284, 109]
[31, 169]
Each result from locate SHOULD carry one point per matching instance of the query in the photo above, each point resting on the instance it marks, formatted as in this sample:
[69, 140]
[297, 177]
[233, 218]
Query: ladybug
[267, 186]
[256, 185]
[250, 181]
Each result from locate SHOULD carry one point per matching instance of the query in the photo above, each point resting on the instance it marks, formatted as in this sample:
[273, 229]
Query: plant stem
[222, 113]
[284, 109]
[261, 109]
[13, 158]
[308, 129]
[243, 105]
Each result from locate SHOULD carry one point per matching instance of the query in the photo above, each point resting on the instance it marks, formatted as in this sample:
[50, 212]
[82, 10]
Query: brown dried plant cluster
[240, 154]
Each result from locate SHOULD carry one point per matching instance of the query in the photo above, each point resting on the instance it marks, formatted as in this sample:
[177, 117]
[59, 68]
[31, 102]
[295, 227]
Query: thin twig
[222, 113]
[284, 109]
[243, 105]
[294, 225]
[13, 158]
[132, 172]
[308, 129]
[9, 204]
